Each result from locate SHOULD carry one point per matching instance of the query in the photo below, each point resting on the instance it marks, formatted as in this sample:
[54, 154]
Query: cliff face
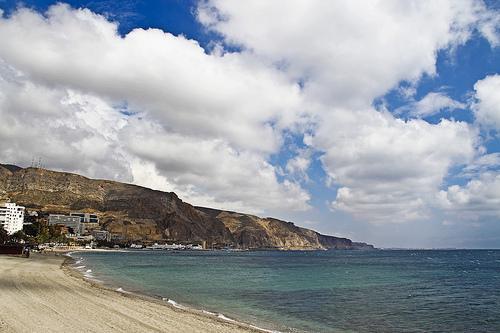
[254, 232]
[139, 213]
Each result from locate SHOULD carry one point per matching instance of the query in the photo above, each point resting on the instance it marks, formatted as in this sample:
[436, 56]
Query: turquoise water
[321, 291]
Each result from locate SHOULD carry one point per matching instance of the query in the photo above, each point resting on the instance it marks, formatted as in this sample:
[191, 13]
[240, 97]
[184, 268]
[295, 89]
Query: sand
[39, 295]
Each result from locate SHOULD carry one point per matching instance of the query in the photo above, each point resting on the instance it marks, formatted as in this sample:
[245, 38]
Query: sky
[373, 120]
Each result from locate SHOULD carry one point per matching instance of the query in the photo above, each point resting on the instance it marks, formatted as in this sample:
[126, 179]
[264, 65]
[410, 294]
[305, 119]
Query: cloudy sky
[374, 120]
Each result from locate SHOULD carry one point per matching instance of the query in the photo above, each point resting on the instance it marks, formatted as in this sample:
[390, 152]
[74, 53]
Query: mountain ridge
[142, 214]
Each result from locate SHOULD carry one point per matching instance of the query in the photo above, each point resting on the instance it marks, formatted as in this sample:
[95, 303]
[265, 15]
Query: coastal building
[79, 223]
[71, 222]
[101, 235]
[89, 227]
[62, 229]
[87, 238]
[117, 238]
[32, 213]
[11, 217]
[86, 217]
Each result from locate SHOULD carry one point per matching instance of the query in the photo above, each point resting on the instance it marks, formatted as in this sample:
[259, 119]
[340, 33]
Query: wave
[174, 303]
[121, 290]
[263, 329]
[209, 313]
[89, 276]
[221, 316]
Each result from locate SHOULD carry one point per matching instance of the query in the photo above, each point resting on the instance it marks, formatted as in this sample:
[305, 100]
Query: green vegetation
[35, 233]
[18, 237]
[50, 234]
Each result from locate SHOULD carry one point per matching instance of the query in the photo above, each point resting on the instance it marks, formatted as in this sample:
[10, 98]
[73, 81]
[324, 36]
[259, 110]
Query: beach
[40, 295]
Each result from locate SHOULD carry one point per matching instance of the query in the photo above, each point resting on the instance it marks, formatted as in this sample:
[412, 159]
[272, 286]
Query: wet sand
[39, 295]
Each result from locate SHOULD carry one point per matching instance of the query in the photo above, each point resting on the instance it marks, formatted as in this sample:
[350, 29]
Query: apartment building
[11, 217]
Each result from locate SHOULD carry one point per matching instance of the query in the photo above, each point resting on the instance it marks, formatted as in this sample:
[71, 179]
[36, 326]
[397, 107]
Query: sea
[317, 291]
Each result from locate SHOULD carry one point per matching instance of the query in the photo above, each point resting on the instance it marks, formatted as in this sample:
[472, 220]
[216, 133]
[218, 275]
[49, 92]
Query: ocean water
[320, 291]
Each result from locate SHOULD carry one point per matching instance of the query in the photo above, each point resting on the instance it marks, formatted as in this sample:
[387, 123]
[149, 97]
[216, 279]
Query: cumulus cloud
[89, 100]
[489, 26]
[223, 176]
[171, 77]
[385, 169]
[482, 164]
[431, 104]
[71, 131]
[487, 107]
[159, 110]
[344, 55]
[480, 197]
[388, 169]
[299, 164]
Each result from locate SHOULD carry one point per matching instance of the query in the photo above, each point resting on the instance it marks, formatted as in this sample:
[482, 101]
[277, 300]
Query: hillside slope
[139, 213]
[254, 232]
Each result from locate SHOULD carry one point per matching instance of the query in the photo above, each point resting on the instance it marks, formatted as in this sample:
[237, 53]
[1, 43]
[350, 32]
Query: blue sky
[174, 16]
[375, 122]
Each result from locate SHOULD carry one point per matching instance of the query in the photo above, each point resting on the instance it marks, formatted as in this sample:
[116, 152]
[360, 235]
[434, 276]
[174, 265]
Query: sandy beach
[39, 295]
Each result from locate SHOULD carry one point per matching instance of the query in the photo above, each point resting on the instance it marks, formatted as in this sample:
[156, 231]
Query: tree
[4, 236]
[32, 229]
[18, 236]
[44, 235]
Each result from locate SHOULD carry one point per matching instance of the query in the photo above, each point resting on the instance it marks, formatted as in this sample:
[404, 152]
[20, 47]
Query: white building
[11, 217]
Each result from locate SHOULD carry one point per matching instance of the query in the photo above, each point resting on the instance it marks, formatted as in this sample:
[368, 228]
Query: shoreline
[57, 298]
[68, 268]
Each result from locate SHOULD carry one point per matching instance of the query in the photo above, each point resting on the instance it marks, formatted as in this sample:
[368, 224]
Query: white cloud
[431, 104]
[347, 53]
[89, 100]
[489, 26]
[212, 172]
[487, 107]
[482, 164]
[205, 124]
[387, 169]
[190, 91]
[480, 197]
[299, 164]
[69, 130]
[278, 200]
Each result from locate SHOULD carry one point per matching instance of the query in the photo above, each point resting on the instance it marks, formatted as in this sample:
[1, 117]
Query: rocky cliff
[255, 232]
[139, 213]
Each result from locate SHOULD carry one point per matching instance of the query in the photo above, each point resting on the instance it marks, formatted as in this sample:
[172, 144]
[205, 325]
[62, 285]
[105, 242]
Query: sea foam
[173, 303]
[221, 316]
